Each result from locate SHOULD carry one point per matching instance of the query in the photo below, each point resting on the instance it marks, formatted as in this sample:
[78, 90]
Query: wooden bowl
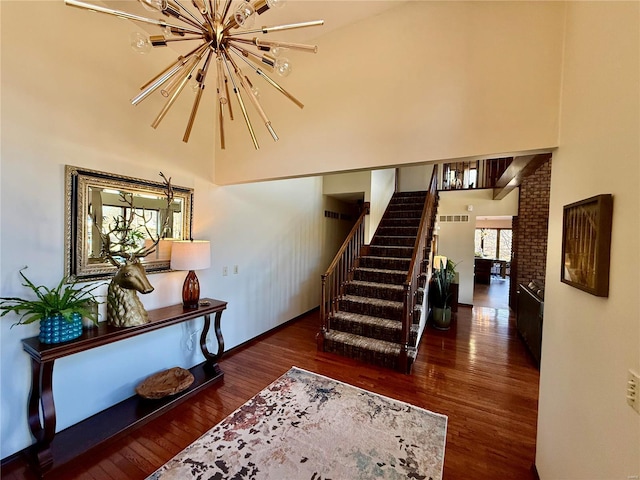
[167, 382]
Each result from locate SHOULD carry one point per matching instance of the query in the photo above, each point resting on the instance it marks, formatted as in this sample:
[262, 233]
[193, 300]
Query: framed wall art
[586, 244]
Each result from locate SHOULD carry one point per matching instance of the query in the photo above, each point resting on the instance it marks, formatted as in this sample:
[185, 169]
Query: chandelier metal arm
[174, 9]
[279, 28]
[170, 66]
[177, 92]
[225, 10]
[263, 59]
[239, 98]
[162, 78]
[268, 45]
[195, 19]
[129, 16]
[161, 40]
[272, 82]
[223, 96]
[200, 78]
[252, 96]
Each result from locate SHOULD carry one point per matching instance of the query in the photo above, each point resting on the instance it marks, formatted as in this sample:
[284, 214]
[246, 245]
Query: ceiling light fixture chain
[220, 29]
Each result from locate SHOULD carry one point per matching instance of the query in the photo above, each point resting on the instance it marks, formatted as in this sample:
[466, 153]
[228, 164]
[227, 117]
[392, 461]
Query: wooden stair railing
[339, 272]
[420, 254]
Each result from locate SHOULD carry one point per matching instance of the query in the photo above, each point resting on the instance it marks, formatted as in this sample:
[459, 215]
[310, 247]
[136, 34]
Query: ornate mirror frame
[81, 186]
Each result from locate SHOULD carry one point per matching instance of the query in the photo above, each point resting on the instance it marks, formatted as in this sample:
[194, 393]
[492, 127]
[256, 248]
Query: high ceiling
[335, 13]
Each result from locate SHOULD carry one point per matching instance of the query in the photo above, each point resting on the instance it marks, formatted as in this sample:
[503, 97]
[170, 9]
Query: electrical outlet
[225, 271]
[633, 390]
[235, 269]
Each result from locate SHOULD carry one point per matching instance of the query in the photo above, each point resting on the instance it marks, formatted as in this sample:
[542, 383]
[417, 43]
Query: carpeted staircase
[367, 324]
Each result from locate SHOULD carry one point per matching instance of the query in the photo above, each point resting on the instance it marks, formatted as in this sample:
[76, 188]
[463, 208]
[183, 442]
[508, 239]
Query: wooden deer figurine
[124, 308]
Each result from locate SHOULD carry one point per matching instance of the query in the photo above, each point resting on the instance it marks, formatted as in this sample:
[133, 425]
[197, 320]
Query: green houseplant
[60, 310]
[440, 295]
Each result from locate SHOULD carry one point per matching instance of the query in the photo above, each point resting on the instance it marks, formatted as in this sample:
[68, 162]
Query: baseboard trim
[534, 470]
[270, 331]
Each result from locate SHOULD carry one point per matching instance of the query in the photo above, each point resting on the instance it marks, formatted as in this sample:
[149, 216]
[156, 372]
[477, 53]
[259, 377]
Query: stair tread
[373, 301]
[389, 286]
[368, 319]
[381, 270]
[387, 259]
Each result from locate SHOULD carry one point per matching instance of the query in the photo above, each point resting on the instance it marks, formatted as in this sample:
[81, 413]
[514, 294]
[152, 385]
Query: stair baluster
[338, 273]
[415, 269]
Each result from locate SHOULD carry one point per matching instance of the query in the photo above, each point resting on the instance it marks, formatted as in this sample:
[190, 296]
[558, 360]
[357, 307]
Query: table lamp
[191, 255]
[439, 261]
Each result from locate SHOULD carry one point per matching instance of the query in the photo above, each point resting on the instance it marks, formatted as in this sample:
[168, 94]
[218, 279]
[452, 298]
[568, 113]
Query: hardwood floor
[478, 374]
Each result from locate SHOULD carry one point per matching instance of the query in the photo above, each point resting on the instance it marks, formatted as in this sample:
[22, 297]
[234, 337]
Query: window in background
[493, 243]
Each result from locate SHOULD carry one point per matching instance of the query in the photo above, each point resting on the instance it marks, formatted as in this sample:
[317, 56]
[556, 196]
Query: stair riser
[364, 355]
[379, 277]
[393, 241]
[393, 210]
[402, 231]
[362, 308]
[374, 292]
[373, 331]
[383, 251]
[405, 214]
[399, 222]
[387, 263]
[367, 330]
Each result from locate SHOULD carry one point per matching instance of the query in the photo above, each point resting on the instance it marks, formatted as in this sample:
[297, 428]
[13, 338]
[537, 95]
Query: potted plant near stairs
[440, 296]
[60, 310]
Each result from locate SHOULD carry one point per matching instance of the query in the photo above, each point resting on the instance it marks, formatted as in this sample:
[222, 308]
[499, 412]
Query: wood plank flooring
[478, 374]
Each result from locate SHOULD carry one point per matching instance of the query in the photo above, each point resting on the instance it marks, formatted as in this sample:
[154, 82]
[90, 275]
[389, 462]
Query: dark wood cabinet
[483, 270]
[529, 320]
[52, 449]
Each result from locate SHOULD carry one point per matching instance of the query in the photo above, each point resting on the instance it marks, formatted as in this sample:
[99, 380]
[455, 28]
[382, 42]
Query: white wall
[383, 184]
[457, 240]
[414, 178]
[377, 185]
[585, 428]
[336, 229]
[494, 223]
[421, 82]
[65, 101]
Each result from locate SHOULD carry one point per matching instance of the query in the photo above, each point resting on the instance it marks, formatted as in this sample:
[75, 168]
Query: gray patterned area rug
[307, 426]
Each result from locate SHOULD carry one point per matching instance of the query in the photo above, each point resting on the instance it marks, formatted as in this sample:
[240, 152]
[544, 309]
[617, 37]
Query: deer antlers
[122, 239]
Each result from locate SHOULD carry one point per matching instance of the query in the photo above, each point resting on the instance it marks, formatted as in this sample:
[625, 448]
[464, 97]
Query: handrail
[410, 284]
[339, 272]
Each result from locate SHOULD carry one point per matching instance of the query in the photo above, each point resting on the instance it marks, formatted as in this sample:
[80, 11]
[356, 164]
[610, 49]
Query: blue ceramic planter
[56, 329]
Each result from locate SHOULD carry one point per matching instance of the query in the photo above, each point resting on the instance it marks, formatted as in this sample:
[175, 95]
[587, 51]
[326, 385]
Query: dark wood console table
[52, 450]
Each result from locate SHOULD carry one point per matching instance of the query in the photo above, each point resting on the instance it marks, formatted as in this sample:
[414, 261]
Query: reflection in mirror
[101, 205]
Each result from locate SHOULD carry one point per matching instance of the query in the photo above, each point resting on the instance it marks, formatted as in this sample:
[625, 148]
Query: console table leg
[211, 358]
[42, 422]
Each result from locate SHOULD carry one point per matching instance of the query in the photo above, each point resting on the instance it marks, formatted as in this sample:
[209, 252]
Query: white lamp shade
[191, 255]
[439, 261]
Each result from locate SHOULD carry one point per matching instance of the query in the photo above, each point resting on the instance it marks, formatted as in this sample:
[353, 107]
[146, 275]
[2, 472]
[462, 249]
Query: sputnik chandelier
[222, 35]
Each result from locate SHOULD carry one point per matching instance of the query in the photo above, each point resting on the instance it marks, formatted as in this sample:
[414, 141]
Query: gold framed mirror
[93, 199]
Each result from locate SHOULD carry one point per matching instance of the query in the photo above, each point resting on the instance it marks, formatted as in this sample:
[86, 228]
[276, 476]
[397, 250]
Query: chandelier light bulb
[283, 66]
[245, 15]
[278, 51]
[140, 43]
[153, 5]
[276, 3]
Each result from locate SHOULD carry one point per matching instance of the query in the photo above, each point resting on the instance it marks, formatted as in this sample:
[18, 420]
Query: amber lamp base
[191, 291]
